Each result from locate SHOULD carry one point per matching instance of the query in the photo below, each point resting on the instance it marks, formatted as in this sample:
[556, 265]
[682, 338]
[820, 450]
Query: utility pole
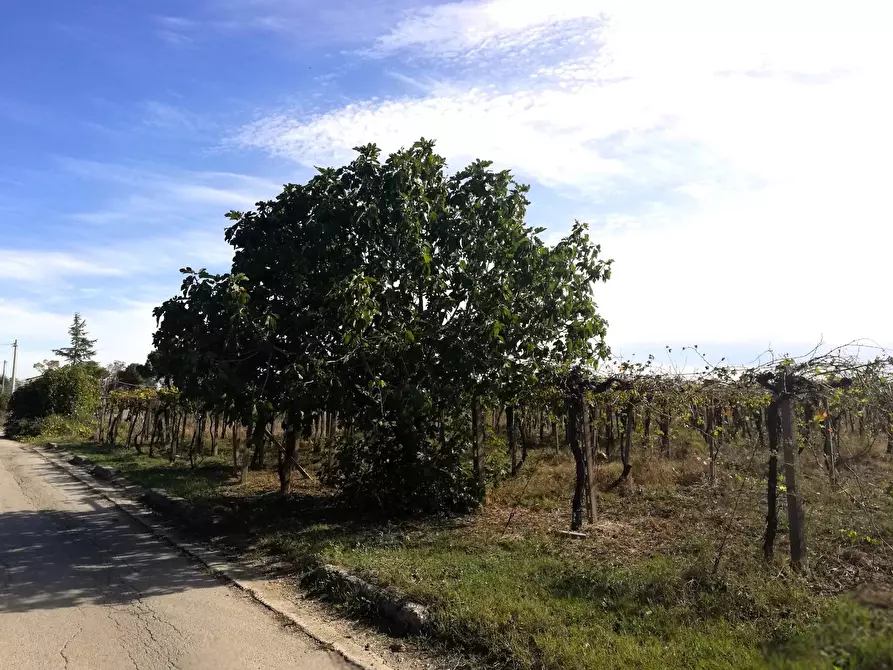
[15, 356]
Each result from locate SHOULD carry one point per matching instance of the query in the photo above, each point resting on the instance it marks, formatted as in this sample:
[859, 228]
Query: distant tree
[81, 349]
[47, 365]
[134, 374]
[71, 392]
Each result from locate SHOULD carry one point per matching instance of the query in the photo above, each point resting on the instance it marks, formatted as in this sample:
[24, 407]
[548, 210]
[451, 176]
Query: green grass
[179, 478]
[638, 593]
[533, 604]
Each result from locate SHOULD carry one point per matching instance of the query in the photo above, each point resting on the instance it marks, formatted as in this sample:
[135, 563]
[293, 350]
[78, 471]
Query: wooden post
[888, 429]
[828, 439]
[588, 443]
[771, 479]
[666, 418]
[796, 520]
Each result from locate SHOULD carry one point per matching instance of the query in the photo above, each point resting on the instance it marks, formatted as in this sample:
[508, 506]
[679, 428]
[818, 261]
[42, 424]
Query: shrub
[71, 392]
[401, 470]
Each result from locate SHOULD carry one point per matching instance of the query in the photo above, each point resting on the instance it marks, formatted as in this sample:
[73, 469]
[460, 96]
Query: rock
[102, 472]
[79, 460]
[413, 617]
[161, 500]
[51, 445]
[410, 617]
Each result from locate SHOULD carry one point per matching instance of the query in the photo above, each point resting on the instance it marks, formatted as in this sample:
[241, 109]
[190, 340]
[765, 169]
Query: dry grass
[641, 584]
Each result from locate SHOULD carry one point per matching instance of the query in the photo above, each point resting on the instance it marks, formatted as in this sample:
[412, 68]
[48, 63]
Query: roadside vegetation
[399, 377]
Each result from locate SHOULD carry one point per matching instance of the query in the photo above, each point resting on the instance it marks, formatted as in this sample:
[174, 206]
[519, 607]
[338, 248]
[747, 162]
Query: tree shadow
[53, 559]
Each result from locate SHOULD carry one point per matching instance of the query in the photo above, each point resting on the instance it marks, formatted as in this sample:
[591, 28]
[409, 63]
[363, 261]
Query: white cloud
[122, 260]
[122, 334]
[40, 266]
[468, 30]
[736, 159]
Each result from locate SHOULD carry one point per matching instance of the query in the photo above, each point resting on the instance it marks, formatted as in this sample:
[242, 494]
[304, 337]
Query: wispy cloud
[123, 333]
[147, 222]
[40, 266]
[712, 147]
[178, 31]
[340, 23]
[470, 30]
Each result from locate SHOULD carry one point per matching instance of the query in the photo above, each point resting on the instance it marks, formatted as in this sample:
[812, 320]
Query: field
[670, 575]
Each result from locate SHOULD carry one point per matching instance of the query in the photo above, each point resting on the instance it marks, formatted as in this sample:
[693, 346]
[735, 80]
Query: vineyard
[395, 342]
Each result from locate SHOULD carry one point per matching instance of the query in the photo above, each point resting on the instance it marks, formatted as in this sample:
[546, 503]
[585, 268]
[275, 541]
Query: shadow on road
[56, 559]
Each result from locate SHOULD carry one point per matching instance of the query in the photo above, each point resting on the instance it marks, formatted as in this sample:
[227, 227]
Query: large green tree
[396, 295]
[82, 347]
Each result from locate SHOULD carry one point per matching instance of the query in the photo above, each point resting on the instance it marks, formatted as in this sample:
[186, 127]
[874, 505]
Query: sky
[732, 158]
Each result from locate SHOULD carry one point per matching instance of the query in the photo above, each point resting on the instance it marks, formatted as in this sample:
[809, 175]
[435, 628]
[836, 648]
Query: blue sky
[732, 159]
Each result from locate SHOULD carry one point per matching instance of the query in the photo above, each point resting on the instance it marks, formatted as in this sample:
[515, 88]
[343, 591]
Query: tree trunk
[664, 425]
[791, 473]
[580, 480]
[646, 424]
[215, 432]
[889, 431]
[542, 427]
[101, 419]
[772, 428]
[235, 445]
[258, 442]
[554, 423]
[318, 432]
[134, 416]
[148, 419]
[828, 443]
[477, 438]
[512, 440]
[195, 444]
[805, 428]
[113, 427]
[153, 439]
[246, 453]
[710, 427]
[591, 484]
[288, 458]
[524, 431]
[609, 431]
[182, 436]
[625, 446]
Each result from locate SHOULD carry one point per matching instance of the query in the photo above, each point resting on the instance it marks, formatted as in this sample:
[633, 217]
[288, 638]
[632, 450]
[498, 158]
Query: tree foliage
[82, 348]
[71, 391]
[393, 294]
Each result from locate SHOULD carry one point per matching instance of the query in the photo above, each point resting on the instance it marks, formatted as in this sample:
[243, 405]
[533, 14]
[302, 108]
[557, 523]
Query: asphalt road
[83, 586]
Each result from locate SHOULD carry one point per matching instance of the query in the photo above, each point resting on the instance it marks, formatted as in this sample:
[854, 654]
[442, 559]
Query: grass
[202, 483]
[640, 591]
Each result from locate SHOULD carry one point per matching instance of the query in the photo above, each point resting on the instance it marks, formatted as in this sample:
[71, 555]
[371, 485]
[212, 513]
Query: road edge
[217, 566]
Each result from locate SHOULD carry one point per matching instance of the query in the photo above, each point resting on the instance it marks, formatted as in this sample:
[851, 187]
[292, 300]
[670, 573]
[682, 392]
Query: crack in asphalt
[71, 639]
[115, 584]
